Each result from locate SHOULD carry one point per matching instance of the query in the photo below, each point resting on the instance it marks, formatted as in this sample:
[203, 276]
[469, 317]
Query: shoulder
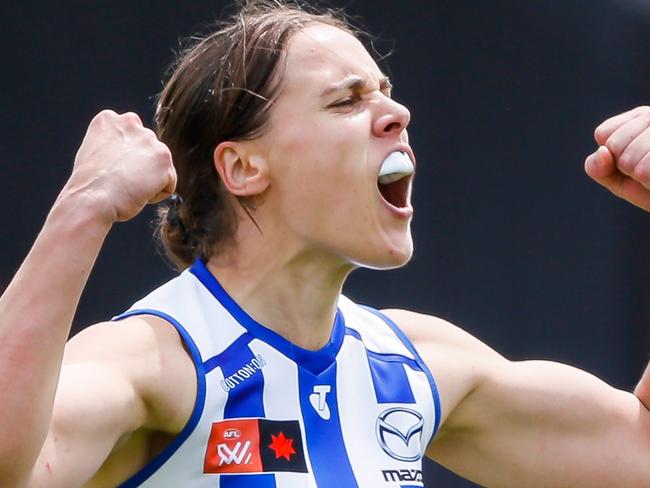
[130, 338]
[427, 331]
[458, 361]
[146, 353]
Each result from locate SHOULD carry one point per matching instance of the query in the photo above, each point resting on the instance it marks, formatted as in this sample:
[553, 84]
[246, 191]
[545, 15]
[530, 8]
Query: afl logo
[399, 433]
[231, 434]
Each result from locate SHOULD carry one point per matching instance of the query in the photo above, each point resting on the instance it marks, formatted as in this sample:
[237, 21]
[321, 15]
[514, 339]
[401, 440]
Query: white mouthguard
[395, 167]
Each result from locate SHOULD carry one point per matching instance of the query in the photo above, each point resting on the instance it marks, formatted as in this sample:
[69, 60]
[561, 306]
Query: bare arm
[642, 390]
[35, 316]
[119, 382]
[119, 168]
[538, 423]
[530, 423]
[543, 424]
[622, 165]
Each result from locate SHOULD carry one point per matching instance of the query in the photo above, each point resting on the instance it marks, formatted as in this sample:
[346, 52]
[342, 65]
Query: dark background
[513, 242]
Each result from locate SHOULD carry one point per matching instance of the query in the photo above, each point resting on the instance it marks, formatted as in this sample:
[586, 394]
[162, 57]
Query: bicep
[116, 379]
[95, 405]
[537, 423]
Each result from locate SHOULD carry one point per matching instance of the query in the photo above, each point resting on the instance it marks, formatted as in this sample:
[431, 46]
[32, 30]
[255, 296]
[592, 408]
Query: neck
[291, 290]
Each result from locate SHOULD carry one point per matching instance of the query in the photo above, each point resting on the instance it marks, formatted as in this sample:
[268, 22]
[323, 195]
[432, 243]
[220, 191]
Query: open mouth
[394, 179]
[396, 193]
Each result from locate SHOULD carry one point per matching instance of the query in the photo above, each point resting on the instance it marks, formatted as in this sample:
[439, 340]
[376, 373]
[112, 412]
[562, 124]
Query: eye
[346, 102]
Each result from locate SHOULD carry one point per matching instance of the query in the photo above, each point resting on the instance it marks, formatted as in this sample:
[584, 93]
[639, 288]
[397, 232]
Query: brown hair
[221, 88]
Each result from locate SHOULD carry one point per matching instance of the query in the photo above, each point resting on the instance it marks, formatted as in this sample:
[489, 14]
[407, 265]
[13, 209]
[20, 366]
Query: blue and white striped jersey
[359, 412]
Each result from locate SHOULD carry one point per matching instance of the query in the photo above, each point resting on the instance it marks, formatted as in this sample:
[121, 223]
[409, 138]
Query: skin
[105, 403]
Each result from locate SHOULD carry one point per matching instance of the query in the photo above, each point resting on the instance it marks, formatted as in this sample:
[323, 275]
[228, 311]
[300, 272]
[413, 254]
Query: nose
[393, 119]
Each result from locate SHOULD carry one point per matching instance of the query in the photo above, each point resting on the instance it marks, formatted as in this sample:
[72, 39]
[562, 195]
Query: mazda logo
[399, 432]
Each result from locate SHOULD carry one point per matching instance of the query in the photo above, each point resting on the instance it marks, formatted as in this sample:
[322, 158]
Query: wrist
[86, 209]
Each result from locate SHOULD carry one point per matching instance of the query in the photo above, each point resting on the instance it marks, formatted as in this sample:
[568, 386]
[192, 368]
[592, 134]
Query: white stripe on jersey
[294, 385]
[358, 406]
[284, 406]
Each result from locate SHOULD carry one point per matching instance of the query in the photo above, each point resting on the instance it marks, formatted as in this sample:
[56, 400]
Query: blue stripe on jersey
[396, 358]
[418, 359]
[329, 459]
[244, 400]
[148, 470]
[229, 355]
[314, 361]
[390, 380]
[388, 375]
[353, 333]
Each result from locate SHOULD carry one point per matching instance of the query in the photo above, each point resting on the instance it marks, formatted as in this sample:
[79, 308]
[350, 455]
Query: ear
[243, 174]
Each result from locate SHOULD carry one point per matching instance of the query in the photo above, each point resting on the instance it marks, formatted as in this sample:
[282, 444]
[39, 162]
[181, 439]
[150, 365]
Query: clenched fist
[122, 165]
[622, 162]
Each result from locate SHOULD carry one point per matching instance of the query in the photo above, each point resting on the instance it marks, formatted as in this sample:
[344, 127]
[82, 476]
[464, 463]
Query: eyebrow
[355, 83]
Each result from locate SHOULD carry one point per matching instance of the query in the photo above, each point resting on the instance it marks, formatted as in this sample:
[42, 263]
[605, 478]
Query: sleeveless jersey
[360, 412]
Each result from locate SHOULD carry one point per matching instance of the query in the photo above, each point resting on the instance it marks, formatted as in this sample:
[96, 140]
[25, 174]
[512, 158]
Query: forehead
[320, 54]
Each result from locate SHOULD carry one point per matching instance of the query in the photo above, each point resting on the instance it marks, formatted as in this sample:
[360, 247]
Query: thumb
[601, 167]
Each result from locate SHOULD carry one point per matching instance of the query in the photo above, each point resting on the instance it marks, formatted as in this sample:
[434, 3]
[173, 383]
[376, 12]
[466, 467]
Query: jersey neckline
[314, 361]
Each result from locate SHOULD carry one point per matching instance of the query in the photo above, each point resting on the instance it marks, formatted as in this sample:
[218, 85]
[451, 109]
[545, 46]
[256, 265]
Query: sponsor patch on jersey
[399, 433]
[255, 446]
[402, 475]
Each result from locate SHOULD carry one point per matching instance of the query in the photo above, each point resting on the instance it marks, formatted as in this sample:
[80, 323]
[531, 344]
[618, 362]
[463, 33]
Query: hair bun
[173, 216]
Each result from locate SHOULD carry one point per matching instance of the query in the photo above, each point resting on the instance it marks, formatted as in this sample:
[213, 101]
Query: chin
[392, 257]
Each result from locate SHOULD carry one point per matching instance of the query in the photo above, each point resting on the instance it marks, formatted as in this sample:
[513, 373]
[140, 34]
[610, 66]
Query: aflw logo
[238, 454]
[243, 373]
[253, 445]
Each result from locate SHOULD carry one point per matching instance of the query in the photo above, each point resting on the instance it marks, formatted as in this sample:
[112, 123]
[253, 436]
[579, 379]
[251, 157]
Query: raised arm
[120, 167]
[622, 165]
[536, 424]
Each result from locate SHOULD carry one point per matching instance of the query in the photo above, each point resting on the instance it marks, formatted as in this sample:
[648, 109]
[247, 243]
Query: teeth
[395, 167]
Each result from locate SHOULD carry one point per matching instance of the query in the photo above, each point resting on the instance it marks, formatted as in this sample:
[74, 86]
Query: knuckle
[131, 118]
[643, 113]
[599, 133]
[614, 145]
[626, 163]
[166, 153]
[148, 135]
[642, 173]
[153, 138]
[107, 113]
[103, 116]
[172, 176]
[163, 152]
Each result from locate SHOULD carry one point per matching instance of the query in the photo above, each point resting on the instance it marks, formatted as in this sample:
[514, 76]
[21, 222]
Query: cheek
[326, 150]
[322, 174]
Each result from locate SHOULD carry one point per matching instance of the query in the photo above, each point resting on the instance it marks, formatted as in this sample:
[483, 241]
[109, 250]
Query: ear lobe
[242, 174]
